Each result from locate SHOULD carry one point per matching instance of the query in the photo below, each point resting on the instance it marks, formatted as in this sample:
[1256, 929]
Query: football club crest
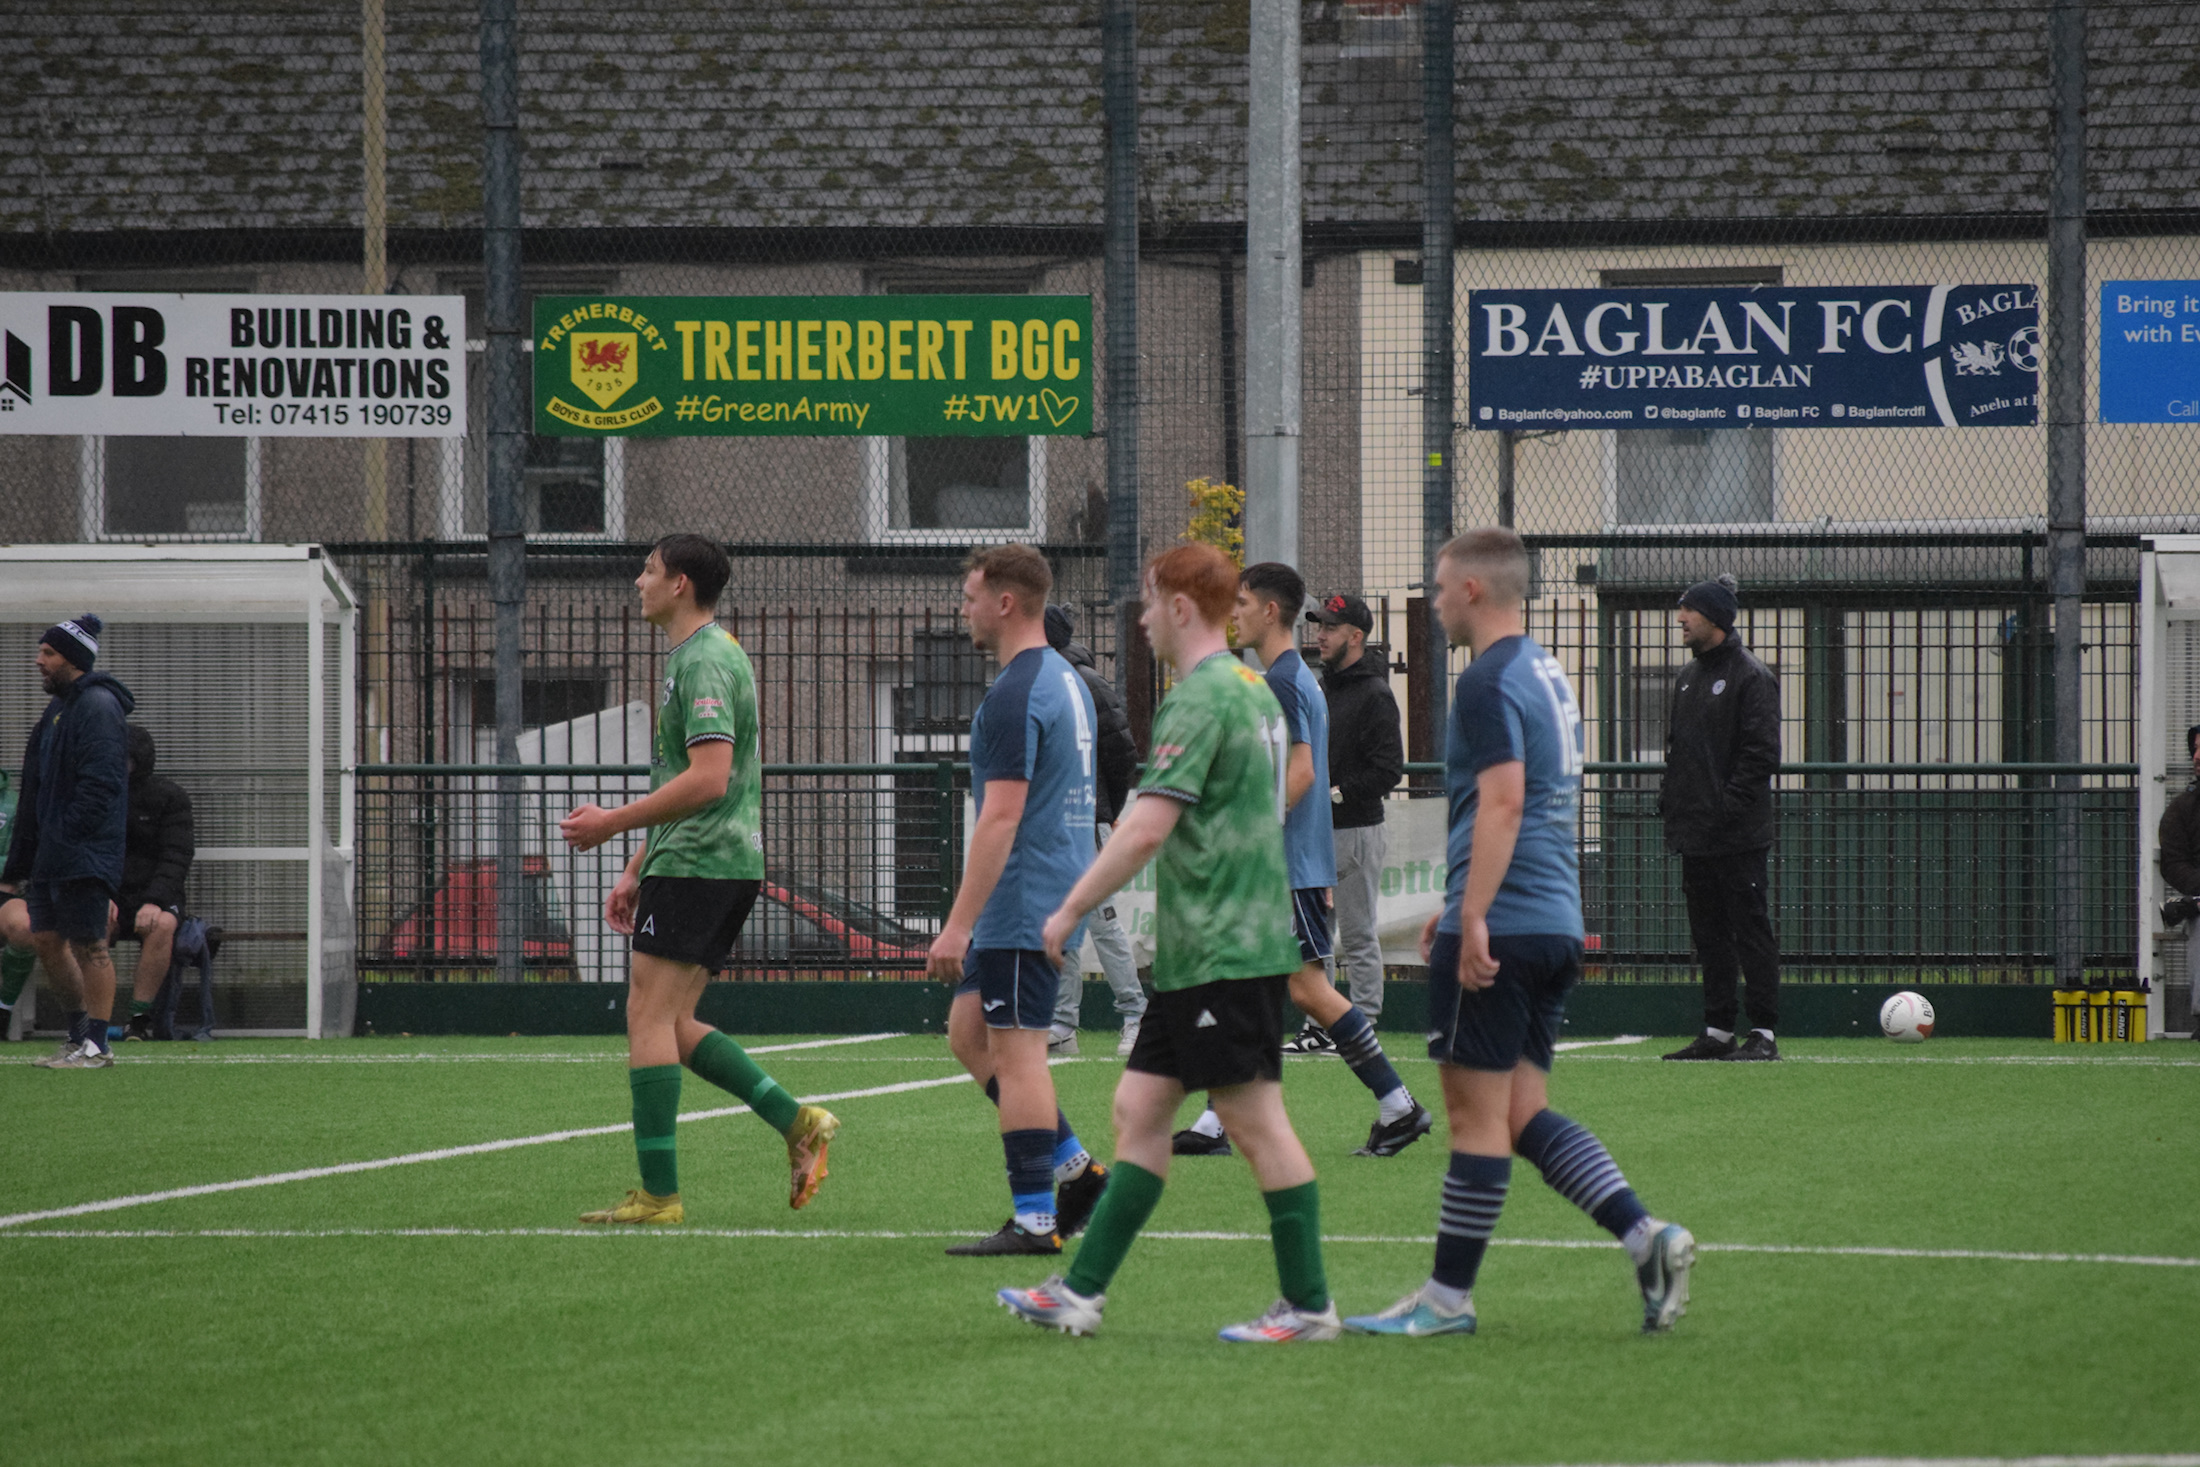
[605, 364]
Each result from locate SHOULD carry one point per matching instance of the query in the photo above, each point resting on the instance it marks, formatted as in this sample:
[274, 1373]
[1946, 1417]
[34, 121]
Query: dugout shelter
[242, 660]
[2169, 703]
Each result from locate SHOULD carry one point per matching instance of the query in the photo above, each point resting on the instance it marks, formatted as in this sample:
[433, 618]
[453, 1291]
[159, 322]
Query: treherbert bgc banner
[893, 365]
[1859, 356]
[234, 366]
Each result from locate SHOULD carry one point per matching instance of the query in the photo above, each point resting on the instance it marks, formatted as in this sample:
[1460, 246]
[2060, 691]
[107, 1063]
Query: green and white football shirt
[1223, 899]
[710, 695]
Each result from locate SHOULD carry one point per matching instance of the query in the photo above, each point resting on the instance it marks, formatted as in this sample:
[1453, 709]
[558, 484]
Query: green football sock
[656, 1117]
[140, 1006]
[1295, 1228]
[1130, 1199]
[15, 972]
[728, 1066]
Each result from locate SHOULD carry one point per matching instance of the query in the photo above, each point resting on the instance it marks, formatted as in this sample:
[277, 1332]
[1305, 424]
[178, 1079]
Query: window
[955, 490]
[1692, 476]
[169, 488]
[570, 488]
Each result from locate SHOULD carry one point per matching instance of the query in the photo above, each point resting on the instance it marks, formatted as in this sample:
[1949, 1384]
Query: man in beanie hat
[65, 855]
[1722, 747]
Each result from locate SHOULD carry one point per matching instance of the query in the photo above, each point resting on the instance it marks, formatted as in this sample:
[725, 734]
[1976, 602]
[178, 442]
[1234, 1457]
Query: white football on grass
[1906, 1018]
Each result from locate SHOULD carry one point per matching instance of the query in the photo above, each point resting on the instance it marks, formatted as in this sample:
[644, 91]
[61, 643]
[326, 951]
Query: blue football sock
[1358, 1046]
[1067, 1148]
[1474, 1194]
[1030, 1156]
[1580, 1170]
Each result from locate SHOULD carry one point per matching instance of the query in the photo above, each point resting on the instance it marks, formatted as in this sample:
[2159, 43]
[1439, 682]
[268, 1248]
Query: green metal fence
[1928, 873]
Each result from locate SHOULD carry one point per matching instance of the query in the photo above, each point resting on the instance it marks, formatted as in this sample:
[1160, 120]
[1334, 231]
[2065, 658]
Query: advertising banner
[737, 366]
[1859, 356]
[2150, 351]
[233, 366]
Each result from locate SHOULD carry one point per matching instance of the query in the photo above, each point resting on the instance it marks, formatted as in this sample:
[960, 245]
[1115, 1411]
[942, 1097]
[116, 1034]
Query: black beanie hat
[1715, 600]
[1060, 623]
[77, 641]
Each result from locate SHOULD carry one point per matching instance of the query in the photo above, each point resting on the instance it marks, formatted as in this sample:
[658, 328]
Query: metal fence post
[1119, 100]
[2066, 344]
[1437, 212]
[507, 442]
[1274, 276]
[943, 788]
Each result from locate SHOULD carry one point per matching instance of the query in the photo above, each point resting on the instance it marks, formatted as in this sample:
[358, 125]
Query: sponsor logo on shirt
[1247, 674]
[708, 707]
[1165, 754]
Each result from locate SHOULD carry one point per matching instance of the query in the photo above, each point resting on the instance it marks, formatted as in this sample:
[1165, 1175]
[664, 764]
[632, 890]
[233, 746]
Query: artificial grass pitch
[408, 1313]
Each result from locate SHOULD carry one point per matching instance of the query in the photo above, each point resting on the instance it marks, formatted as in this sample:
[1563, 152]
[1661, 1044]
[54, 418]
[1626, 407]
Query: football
[1906, 1018]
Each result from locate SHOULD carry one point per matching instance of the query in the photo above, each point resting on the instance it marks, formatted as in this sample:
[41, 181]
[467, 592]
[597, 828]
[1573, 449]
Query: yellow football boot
[641, 1207]
[812, 1132]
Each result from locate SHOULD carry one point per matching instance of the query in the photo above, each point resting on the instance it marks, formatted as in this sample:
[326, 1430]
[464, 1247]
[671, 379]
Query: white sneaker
[61, 1051]
[86, 1056]
[1055, 1305]
[1287, 1324]
[1129, 1041]
[1061, 1045]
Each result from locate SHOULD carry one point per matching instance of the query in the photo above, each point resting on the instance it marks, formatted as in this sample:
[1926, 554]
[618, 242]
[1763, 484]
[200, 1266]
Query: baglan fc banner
[1859, 356]
[233, 366]
[897, 365]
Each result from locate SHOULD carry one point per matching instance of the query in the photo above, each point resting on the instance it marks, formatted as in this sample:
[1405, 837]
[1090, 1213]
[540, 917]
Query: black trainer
[1189, 1142]
[1388, 1138]
[1010, 1239]
[1703, 1047]
[1075, 1199]
[1756, 1047]
[140, 1027]
[1312, 1038]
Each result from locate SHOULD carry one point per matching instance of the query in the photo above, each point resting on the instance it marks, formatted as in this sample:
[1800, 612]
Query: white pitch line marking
[480, 1148]
[429, 1056]
[2121, 1459]
[2132, 1062]
[1568, 1045]
[1160, 1234]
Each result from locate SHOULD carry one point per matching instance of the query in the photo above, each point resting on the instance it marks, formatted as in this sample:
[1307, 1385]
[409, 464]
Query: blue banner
[2150, 351]
[1859, 356]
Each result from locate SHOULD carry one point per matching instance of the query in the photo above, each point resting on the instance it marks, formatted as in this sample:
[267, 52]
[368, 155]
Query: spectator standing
[1722, 747]
[156, 859]
[66, 852]
[2177, 841]
[1367, 758]
[1115, 766]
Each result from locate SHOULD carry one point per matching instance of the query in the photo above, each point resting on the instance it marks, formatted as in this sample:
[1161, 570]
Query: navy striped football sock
[1474, 1194]
[1030, 1157]
[1580, 1170]
[1363, 1053]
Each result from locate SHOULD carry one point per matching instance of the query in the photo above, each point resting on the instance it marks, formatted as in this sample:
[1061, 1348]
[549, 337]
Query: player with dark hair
[1506, 948]
[1210, 809]
[687, 889]
[1270, 599]
[1031, 771]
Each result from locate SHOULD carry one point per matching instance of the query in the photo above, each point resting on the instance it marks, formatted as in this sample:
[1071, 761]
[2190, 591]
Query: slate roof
[243, 114]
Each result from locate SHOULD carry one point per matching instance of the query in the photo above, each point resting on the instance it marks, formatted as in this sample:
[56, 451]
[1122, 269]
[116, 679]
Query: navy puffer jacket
[72, 815]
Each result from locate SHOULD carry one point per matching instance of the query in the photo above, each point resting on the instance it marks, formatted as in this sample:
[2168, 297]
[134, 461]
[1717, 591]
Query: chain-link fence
[1896, 577]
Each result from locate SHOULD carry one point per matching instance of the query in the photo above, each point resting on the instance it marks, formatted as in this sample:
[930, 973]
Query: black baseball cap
[1344, 611]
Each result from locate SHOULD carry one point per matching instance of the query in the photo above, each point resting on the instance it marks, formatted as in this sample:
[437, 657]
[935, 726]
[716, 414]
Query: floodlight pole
[1438, 212]
[1119, 101]
[507, 442]
[2066, 403]
[1273, 284]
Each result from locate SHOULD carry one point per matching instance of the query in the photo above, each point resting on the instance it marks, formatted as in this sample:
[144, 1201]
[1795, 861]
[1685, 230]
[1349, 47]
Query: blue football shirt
[1513, 703]
[1036, 724]
[1309, 847]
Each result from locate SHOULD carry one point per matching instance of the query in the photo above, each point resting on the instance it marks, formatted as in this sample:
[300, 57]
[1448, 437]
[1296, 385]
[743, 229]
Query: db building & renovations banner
[280, 366]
